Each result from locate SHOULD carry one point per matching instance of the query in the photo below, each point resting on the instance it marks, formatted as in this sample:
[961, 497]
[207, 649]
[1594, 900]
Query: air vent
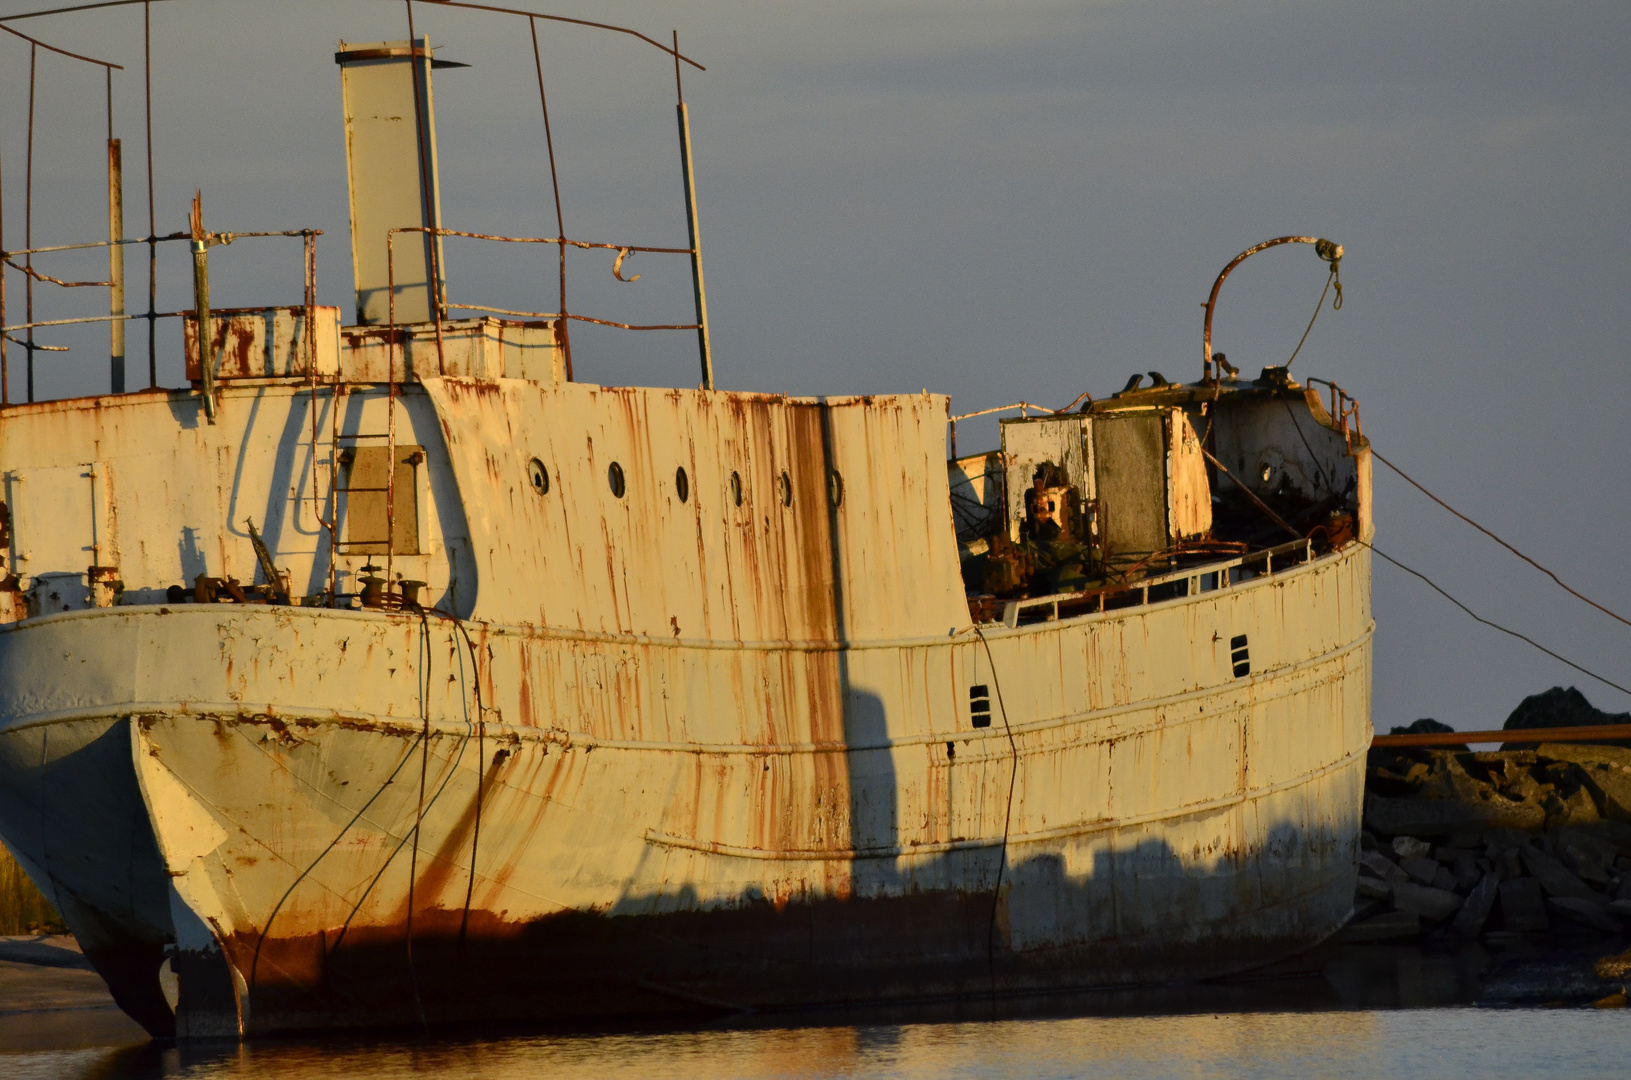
[979, 705]
[1238, 654]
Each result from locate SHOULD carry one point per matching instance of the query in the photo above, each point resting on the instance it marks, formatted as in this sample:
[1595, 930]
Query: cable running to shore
[1505, 630]
[1559, 581]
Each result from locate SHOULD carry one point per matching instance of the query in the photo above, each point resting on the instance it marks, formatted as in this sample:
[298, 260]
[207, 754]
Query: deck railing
[444, 304]
[199, 247]
[1186, 582]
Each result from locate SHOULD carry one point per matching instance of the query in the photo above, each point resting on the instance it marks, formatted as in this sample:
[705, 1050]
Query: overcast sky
[997, 201]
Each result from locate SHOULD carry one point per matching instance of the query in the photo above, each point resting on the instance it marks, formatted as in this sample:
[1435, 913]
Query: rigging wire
[1314, 459]
[481, 765]
[447, 778]
[261, 939]
[419, 810]
[1495, 625]
[1557, 580]
[1007, 817]
[1336, 305]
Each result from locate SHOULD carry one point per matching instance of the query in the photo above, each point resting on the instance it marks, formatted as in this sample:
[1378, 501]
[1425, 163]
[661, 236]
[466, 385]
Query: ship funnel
[391, 166]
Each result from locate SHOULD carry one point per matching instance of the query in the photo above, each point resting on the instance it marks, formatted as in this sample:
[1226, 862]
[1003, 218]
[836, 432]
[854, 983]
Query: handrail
[1343, 405]
[71, 9]
[127, 317]
[226, 238]
[1593, 733]
[1020, 405]
[444, 303]
[99, 243]
[117, 317]
[6, 255]
[62, 52]
[1011, 608]
[542, 240]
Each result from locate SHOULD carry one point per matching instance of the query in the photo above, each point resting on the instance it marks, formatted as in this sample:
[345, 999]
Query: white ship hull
[578, 840]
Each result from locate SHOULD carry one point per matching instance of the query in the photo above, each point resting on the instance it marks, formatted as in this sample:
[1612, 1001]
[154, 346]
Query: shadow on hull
[966, 925]
[923, 948]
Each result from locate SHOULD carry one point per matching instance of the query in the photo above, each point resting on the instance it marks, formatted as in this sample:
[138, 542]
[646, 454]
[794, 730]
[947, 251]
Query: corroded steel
[401, 679]
[715, 751]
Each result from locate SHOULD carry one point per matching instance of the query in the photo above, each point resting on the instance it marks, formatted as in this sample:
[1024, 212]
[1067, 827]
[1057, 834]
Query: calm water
[1394, 1012]
[1398, 1045]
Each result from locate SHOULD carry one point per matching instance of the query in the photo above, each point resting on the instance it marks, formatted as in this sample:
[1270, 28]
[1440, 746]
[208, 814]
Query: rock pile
[1459, 845]
[1557, 708]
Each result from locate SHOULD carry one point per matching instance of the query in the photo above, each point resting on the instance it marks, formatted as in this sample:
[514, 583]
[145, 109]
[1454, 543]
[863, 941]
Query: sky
[1000, 201]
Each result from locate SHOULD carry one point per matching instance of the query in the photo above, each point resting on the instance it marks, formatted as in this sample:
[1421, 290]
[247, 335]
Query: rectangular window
[979, 705]
[367, 522]
[1239, 656]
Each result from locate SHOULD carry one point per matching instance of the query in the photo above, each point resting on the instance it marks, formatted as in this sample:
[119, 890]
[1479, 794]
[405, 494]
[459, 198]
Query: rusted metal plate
[483, 349]
[1061, 445]
[1189, 492]
[778, 567]
[1274, 445]
[741, 730]
[701, 793]
[1130, 479]
[265, 343]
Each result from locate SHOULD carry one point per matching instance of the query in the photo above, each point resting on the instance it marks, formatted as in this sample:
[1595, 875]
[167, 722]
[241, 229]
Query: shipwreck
[385, 673]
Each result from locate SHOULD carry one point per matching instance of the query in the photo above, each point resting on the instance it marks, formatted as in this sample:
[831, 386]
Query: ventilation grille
[979, 705]
[1238, 654]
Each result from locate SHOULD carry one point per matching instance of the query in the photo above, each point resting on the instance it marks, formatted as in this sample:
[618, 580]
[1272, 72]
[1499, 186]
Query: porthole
[835, 487]
[786, 485]
[736, 488]
[539, 476]
[614, 477]
[682, 484]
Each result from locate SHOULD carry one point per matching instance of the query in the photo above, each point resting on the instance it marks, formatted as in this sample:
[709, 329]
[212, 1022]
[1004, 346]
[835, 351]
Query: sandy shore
[51, 999]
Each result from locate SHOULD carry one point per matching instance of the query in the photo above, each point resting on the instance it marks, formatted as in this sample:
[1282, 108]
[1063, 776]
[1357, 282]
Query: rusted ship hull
[386, 674]
[360, 818]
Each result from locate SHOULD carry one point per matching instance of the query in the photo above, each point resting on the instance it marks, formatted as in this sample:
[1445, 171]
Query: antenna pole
[701, 289]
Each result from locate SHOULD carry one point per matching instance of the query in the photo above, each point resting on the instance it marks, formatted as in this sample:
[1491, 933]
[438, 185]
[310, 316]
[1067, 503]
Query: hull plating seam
[497, 730]
[1062, 833]
[992, 631]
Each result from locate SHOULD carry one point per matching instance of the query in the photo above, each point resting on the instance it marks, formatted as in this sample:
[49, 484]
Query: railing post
[700, 289]
[116, 266]
[201, 305]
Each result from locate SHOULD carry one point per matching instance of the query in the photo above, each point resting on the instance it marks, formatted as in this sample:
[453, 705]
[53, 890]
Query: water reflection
[1348, 1012]
[1411, 1043]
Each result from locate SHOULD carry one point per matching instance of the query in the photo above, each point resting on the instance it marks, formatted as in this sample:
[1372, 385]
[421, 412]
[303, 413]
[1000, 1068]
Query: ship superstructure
[386, 674]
